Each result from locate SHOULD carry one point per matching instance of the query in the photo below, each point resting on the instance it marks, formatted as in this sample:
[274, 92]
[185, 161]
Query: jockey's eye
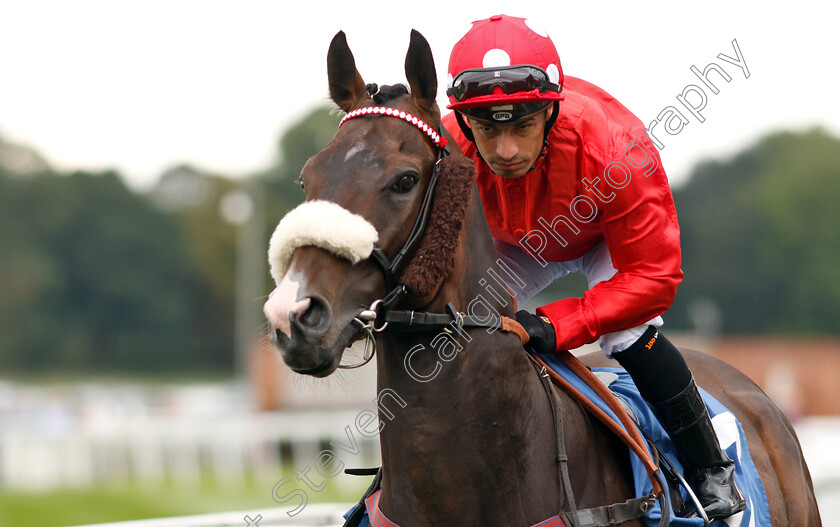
[405, 182]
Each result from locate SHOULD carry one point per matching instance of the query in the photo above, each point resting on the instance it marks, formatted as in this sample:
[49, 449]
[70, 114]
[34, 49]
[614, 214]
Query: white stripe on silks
[726, 428]
[323, 224]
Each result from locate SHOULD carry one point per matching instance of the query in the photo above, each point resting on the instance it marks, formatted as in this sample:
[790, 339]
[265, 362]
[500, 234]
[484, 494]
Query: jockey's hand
[541, 332]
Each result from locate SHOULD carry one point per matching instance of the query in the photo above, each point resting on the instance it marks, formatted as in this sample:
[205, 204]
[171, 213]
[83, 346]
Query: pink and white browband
[439, 141]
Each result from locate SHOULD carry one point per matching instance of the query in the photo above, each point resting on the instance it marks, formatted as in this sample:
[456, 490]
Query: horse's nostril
[315, 317]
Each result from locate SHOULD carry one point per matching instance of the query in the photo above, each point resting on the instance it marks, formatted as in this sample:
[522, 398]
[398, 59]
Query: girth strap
[614, 514]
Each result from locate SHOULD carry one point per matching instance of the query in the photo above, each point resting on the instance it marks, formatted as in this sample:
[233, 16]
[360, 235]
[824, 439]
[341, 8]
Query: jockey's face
[510, 149]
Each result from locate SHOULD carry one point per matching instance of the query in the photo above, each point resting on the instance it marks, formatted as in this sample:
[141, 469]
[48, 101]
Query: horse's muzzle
[303, 349]
[312, 323]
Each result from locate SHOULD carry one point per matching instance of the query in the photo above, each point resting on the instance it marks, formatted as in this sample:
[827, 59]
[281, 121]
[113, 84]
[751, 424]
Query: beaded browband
[436, 138]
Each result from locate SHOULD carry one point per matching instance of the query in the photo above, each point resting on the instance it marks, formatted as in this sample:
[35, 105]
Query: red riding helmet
[503, 69]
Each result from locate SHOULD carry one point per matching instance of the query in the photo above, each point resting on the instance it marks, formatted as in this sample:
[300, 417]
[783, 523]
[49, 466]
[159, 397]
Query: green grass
[135, 502]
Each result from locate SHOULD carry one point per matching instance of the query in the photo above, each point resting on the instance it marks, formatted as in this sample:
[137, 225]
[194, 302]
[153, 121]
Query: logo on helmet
[502, 116]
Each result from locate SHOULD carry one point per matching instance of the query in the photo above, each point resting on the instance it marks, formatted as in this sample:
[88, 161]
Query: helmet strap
[555, 113]
[464, 128]
[549, 123]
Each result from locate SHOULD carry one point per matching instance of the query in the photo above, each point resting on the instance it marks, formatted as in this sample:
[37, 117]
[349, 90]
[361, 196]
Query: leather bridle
[381, 310]
[365, 321]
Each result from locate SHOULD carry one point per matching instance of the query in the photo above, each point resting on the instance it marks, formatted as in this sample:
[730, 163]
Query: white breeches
[596, 266]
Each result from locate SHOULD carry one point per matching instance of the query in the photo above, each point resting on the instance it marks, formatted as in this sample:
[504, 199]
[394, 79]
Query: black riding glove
[540, 331]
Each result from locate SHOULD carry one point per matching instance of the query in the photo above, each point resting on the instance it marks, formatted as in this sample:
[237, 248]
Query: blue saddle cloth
[729, 432]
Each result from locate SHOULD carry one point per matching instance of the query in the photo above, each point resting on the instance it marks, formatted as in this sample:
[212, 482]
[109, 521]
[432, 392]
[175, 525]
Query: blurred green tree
[94, 277]
[300, 142]
[760, 236]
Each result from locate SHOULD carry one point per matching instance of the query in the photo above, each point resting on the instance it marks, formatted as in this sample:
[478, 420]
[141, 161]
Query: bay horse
[391, 222]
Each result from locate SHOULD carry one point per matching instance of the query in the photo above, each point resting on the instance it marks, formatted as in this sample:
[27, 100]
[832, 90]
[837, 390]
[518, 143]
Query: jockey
[570, 181]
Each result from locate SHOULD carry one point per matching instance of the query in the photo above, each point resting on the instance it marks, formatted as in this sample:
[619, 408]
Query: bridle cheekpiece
[381, 310]
[390, 267]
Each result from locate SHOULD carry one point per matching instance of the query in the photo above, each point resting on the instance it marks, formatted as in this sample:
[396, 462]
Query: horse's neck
[466, 415]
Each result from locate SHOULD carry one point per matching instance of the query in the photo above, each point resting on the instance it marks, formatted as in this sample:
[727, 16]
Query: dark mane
[384, 94]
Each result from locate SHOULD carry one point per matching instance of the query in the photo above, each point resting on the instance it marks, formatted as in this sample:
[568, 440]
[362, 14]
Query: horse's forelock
[389, 94]
[383, 95]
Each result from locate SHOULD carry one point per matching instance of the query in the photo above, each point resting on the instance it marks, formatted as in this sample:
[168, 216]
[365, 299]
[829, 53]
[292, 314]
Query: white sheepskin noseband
[323, 224]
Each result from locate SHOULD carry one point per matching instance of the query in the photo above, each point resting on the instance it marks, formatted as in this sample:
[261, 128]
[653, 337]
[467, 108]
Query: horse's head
[364, 192]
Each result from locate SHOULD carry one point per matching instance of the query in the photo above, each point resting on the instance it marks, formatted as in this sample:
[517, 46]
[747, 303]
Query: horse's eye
[405, 183]
[300, 182]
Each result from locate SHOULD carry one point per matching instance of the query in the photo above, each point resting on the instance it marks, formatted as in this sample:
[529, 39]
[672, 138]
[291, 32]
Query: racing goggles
[511, 79]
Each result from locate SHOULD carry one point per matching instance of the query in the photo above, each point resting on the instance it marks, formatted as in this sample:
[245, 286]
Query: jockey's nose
[506, 146]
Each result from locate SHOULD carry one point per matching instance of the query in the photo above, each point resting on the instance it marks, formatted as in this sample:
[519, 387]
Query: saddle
[614, 384]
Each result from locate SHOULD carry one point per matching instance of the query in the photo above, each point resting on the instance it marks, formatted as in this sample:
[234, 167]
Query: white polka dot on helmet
[504, 41]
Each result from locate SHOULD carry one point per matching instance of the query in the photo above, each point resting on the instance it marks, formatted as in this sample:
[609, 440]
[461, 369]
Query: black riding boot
[709, 471]
[666, 383]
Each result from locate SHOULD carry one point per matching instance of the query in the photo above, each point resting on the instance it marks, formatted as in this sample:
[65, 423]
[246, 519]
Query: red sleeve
[642, 234]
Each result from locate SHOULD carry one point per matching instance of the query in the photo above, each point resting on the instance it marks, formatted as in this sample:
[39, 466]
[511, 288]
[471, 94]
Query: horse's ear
[346, 84]
[420, 71]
